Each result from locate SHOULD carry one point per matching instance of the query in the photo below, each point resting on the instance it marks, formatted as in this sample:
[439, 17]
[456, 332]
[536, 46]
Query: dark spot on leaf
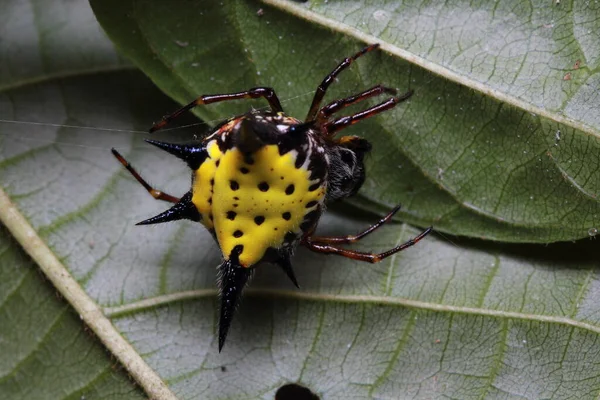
[244, 170]
[314, 187]
[231, 215]
[311, 204]
[293, 391]
[290, 189]
[259, 220]
[263, 186]
[286, 215]
[234, 185]
[238, 234]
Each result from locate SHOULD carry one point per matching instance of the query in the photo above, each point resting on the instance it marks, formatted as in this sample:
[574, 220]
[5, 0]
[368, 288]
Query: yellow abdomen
[253, 201]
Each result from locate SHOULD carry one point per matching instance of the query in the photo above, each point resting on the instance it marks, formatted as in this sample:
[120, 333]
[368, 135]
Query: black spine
[232, 279]
[184, 209]
[285, 264]
[193, 155]
[247, 138]
[295, 137]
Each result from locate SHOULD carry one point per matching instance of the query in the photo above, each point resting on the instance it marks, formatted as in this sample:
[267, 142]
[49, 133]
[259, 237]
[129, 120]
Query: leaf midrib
[158, 301]
[38, 80]
[87, 308]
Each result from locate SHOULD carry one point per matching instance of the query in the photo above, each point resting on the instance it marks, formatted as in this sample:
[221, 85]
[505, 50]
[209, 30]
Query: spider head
[347, 169]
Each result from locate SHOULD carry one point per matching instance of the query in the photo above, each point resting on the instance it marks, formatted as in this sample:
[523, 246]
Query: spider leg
[322, 88]
[254, 93]
[335, 106]
[359, 255]
[332, 127]
[355, 238]
[157, 194]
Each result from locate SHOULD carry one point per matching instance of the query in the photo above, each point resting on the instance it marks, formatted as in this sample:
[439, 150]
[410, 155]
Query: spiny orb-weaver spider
[260, 181]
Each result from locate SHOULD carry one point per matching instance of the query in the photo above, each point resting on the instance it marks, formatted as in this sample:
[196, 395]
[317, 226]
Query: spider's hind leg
[355, 238]
[326, 248]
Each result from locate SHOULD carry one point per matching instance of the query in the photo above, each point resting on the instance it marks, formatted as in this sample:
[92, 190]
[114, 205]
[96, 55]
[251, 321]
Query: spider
[260, 182]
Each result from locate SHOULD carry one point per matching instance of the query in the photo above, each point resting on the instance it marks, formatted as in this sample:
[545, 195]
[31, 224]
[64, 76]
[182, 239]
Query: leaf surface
[463, 318]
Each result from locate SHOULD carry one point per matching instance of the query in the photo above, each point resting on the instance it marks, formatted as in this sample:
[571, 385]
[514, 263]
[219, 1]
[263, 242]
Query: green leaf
[46, 351]
[49, 40]
[500, 140]
[462, 318]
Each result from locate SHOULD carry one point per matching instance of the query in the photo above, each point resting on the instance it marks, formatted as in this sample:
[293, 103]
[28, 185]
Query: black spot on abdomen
[310, 219]
[311, 204]
[300, 159]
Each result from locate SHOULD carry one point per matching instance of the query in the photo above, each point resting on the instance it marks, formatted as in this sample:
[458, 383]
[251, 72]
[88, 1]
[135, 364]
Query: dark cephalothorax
[346, 167]
[260, 182]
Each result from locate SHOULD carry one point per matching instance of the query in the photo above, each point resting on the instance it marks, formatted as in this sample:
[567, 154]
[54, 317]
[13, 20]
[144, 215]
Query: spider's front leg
[335, 106]
[322, 88]
[157, 194]
[254, 93]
